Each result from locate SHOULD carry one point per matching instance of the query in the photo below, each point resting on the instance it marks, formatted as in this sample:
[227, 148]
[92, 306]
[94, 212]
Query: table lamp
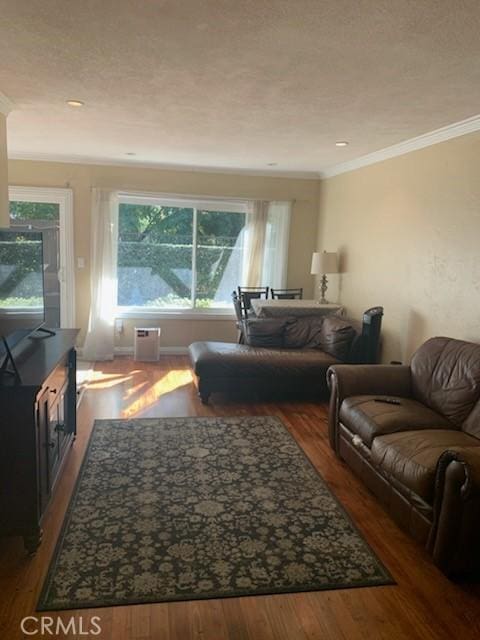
[325, 262]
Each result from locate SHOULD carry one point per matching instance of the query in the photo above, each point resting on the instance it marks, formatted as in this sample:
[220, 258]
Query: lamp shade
[325, 262]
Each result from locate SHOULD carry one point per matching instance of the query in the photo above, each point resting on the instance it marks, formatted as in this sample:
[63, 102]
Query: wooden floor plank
[234, 619]
[422, 605]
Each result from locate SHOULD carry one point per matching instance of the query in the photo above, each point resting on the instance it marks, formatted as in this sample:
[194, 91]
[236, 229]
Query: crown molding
[6, 105]
[90, 160]
[455, 130]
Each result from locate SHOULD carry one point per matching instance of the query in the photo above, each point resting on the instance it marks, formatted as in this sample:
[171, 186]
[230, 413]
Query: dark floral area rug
[186, 508]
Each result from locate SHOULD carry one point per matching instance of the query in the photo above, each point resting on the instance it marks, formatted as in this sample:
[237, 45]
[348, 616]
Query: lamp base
[323, 289]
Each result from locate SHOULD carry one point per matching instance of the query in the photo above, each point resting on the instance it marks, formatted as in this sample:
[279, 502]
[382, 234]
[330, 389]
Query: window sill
[174, 314]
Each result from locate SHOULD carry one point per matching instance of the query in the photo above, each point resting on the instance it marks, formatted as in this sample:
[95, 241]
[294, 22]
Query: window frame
[232, 205]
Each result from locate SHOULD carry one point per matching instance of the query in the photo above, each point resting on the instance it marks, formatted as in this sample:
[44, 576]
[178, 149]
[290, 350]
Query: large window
[190, 254]
[179, 254]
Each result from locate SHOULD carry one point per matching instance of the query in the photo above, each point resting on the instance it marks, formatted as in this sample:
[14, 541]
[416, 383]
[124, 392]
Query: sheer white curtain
[255, 229]
[103, 276]
[266, 244]
[275, 255]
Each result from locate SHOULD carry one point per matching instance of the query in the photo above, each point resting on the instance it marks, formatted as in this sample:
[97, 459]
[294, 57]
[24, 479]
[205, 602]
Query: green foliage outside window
[160, 239]
[16, 290]
[154, 223]
[164, 259]
[20, 210]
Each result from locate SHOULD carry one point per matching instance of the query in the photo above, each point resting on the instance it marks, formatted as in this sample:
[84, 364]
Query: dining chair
[287, 294]
[247, 294]
[240, 315]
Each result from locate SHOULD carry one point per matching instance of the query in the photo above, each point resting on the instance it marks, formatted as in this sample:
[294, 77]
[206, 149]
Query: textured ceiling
[235, 84]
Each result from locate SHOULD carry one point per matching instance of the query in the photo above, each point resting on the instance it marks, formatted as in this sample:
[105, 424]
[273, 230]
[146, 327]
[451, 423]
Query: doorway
[50, 211]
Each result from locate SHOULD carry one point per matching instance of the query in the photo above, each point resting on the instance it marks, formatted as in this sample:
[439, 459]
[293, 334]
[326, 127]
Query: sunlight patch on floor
[85, 371]
[136, 388]
[102, 380]
[170, 381]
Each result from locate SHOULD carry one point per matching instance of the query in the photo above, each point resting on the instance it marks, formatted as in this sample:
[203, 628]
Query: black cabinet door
[53, 444]
[42, 450]
[62, 427]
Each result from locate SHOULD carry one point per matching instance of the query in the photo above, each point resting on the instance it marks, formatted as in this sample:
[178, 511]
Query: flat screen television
[22, 306]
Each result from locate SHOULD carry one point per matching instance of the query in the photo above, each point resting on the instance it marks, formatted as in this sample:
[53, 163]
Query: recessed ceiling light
[75, 103]
[130, 153]
[272, 164]
[341, 143]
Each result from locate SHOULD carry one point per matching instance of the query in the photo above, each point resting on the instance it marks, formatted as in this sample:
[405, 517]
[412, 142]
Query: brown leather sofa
[290, 355]
[421, 454]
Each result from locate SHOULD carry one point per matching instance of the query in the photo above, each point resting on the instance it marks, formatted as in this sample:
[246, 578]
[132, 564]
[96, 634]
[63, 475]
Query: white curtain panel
[275, 254]
[103, 276]
[256, 227]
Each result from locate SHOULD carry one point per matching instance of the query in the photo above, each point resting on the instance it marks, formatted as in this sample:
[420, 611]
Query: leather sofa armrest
[345, 380]
[453, 540]
[467, 461]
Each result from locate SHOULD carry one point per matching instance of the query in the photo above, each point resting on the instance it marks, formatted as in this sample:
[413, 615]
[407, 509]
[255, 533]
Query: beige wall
[4, 221]
[408, 230]
[81, 178]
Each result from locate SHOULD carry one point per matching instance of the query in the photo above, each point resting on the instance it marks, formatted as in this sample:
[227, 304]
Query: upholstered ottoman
[227, 367]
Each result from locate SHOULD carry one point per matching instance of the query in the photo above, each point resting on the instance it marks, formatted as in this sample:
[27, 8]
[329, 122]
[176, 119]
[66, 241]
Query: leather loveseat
[289, 355]
[412, 434]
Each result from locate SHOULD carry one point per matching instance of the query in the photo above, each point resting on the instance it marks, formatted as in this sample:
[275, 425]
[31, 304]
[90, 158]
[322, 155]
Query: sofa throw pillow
[336, 337]
[265, 332]
[303, 332]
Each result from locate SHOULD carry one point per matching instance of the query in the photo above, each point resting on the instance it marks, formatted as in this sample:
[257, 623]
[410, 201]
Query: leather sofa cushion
[369, 419]
[265, 332]
[331, 334]
[409, 459]
[336, 337]
[446, 377]
[303, 333]
[224, 359]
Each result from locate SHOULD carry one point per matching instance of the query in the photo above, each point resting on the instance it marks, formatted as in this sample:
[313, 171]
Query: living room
[371, 146]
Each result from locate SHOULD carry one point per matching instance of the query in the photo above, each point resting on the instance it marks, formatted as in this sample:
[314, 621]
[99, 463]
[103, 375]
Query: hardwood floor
[423, 603]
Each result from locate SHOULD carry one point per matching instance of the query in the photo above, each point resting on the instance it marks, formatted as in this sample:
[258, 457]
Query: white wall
[408, 231]
[4, 218]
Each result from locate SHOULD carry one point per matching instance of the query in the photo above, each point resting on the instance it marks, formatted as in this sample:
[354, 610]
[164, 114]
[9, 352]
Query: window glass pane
[20, 210]
[21, 277]
[220, 255]
[155, 256]
[45, 217]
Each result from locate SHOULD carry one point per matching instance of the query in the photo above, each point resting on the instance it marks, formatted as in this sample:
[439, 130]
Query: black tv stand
[38, 426]
[4, 370]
